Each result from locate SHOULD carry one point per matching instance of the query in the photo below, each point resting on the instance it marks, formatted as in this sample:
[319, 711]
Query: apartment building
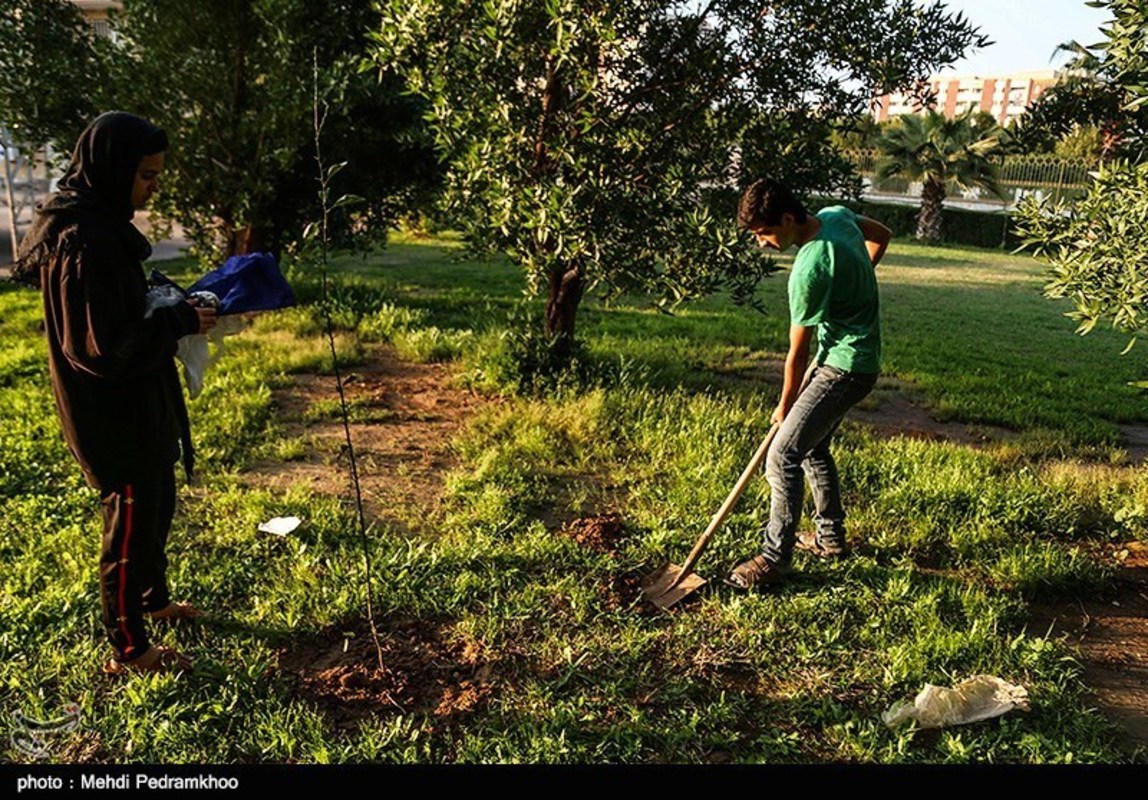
[1004, 96]
[96, 13]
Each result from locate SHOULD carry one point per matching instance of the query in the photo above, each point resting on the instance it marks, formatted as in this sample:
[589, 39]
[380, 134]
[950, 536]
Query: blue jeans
[802, 444]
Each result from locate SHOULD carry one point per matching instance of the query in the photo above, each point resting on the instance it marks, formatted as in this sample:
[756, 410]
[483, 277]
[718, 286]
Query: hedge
[958, 226]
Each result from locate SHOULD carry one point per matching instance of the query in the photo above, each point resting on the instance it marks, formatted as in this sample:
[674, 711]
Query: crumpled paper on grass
[978, 698]
[280, 526]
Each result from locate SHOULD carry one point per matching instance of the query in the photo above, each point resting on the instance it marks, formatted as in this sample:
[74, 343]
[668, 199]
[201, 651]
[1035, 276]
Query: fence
[23, 181]
[1018, 176]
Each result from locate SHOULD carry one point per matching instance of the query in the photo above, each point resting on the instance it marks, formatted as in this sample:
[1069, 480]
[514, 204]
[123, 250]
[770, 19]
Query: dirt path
[897, 408]
[406, 417]
[1112, 634]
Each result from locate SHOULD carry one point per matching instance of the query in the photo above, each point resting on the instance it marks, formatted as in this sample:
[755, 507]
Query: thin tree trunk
[566, 283]
[929, 219]
[566, 287]
[249, 239]
[8, 175]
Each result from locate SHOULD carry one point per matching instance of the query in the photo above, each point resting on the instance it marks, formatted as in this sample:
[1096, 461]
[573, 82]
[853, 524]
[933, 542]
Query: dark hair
[156, 142]
[764, 203]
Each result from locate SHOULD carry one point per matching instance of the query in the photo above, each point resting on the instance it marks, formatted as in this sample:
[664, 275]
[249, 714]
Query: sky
[1025, 33]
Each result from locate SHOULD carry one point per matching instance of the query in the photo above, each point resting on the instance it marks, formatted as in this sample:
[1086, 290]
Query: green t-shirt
[832, 285]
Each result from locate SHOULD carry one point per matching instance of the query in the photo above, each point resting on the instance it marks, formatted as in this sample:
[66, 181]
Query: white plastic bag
[280, 526]
[195, 355]
[980, 697]
[195, 352]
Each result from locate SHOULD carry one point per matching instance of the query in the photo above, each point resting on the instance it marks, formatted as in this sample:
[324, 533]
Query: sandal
[156, 658]
[807, 541]
[756, 573]
[175, 610]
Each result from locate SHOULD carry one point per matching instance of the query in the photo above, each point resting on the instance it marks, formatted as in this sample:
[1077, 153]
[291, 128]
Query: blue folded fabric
[249, 282]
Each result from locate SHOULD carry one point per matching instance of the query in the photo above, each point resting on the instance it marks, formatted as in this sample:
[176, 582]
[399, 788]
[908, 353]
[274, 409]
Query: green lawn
[564, 666]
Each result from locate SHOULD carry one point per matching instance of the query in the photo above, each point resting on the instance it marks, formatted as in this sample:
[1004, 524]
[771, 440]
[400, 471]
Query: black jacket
[113, 372]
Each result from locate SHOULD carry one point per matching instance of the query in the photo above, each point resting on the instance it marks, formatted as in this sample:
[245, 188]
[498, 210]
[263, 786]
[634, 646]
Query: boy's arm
[877, 237]
[800, 338]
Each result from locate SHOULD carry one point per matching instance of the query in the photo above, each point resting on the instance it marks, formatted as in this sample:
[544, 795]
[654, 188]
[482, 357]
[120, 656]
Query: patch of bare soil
[602, 533]
[897, 408]
[86, 748]
[625, 592]
[1112, 636]
[407, 416]
[423, 671]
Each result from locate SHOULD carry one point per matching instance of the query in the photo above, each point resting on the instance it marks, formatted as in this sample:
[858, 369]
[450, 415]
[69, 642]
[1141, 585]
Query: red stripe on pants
[128, 503]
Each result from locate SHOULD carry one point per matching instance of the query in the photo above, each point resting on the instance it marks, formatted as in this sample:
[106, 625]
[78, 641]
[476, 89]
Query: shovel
[670, 584]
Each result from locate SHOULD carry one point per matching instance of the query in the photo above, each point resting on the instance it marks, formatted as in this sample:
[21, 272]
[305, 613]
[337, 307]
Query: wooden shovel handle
[727, 506]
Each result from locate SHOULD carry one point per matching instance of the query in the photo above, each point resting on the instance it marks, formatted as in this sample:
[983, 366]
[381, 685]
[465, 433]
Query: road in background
[161, 250]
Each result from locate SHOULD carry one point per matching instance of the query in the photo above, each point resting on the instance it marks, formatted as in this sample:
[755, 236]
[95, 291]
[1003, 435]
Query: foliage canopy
[1096, 247]
[599, 143]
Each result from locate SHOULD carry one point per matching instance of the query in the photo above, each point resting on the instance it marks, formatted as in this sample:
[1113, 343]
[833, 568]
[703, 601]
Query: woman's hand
[208, 317]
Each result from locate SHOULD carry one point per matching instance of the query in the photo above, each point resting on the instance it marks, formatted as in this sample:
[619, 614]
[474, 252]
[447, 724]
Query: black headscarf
[98, 183]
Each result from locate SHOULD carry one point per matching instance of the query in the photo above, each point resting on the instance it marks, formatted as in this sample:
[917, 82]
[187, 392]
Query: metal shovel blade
[661, 590]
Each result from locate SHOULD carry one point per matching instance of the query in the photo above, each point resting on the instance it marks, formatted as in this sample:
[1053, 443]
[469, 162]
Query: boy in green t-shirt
[833, 291]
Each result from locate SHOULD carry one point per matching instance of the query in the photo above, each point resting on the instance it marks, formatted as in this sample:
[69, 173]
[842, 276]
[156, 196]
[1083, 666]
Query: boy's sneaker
[807, 541]
[756, 573]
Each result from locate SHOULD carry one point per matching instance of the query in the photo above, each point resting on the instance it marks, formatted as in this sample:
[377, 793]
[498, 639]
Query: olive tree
[589, 139]
[231, 83]
[1096, 246]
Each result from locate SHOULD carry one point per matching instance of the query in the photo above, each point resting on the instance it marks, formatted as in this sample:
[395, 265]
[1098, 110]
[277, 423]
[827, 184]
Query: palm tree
[938, 151]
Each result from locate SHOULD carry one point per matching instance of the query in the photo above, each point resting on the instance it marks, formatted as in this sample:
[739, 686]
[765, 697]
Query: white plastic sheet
[980, 697]
[196, 352]
[280, 526]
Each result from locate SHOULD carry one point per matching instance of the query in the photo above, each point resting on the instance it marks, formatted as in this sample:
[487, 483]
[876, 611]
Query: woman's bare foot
[156, 658]
[176, 610]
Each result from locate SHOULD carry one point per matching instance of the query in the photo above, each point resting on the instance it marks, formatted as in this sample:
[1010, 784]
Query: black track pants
[133, 561]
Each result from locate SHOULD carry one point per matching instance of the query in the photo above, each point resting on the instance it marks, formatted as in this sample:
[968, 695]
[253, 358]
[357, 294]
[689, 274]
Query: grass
[957, 540]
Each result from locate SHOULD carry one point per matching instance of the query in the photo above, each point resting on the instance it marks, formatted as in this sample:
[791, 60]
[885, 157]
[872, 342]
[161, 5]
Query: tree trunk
[553, 100]
[566, 283]
[929, 220]
[249, 239]
[566, 286]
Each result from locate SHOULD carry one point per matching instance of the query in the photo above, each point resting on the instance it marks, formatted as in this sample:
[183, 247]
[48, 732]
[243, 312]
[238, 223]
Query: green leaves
[1096, 248]
[348, 200]
[55, 72]
[230, 82]
[1105, 86]
[601, 138]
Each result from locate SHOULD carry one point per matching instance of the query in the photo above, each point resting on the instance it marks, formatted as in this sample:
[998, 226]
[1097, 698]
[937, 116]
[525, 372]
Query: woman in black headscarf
[113, 370]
